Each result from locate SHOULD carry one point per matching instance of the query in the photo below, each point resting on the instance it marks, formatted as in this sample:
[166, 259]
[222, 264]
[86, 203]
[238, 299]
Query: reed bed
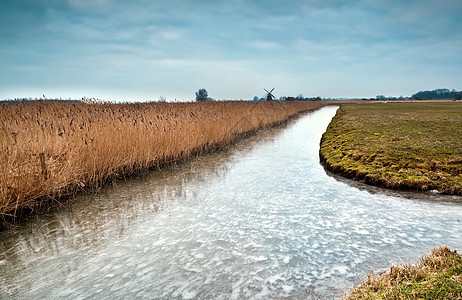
[51, 149]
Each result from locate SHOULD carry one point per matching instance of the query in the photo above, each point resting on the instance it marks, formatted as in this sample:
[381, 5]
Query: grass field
[415, 146]
[49, 149]
[438, 275]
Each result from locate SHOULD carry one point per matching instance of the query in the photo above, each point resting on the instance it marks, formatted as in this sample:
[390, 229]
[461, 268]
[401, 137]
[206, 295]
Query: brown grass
[438, 275]
[49, 149]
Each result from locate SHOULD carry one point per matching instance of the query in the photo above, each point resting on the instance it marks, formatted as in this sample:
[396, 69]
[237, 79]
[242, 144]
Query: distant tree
[380, 97]
[458, 96]
[435, 94]
[202, 95]
[162, 99]
[300, 97]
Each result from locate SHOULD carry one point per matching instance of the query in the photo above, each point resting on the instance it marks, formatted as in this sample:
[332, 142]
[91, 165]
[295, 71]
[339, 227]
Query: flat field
[414, 146]
[50, 149]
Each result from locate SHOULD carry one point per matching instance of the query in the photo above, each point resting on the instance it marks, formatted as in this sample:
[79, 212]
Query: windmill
[269, 95]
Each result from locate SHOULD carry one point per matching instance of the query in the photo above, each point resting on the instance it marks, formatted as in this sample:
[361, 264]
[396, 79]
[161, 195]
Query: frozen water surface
[260, 220]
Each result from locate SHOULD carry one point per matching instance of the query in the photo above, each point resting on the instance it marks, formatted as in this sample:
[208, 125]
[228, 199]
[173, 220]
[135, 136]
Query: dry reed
[437, 275]
[54, 148]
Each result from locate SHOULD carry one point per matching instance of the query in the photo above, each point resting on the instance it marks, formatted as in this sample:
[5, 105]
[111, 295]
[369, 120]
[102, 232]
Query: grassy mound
[414, 146]
[438, 275]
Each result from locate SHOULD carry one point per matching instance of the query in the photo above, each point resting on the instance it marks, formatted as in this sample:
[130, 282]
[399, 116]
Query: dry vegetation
[438, 275]
[55, 148]
[416, 146]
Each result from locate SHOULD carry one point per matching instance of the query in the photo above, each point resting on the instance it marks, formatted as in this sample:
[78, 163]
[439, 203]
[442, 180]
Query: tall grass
[437, 275]
[53, 148]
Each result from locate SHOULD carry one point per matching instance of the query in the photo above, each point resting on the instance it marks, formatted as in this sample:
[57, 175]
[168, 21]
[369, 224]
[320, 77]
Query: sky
[141, 50]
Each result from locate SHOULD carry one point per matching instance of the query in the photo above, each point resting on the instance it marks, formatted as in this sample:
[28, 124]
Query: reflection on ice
[260, 220]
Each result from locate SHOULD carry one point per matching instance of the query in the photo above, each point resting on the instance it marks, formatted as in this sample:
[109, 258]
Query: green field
[413, 146]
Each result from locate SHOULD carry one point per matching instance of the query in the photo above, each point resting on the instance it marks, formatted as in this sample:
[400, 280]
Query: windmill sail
[269, 95]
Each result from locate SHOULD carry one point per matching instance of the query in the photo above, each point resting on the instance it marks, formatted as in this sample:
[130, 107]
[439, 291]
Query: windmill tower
[269, 95]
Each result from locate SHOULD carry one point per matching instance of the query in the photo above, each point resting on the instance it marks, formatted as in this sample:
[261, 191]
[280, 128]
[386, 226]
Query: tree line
[202, 95]
[438, 94]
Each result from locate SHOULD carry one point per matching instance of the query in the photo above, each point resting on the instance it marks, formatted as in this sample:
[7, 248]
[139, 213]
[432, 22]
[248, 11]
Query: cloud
[90, 6]
[171, 46]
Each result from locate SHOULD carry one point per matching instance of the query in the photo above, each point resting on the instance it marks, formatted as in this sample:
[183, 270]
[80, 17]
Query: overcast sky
[144, 49]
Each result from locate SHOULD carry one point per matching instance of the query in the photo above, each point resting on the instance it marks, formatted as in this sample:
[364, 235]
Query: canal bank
[403, 146]
[51, 150]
